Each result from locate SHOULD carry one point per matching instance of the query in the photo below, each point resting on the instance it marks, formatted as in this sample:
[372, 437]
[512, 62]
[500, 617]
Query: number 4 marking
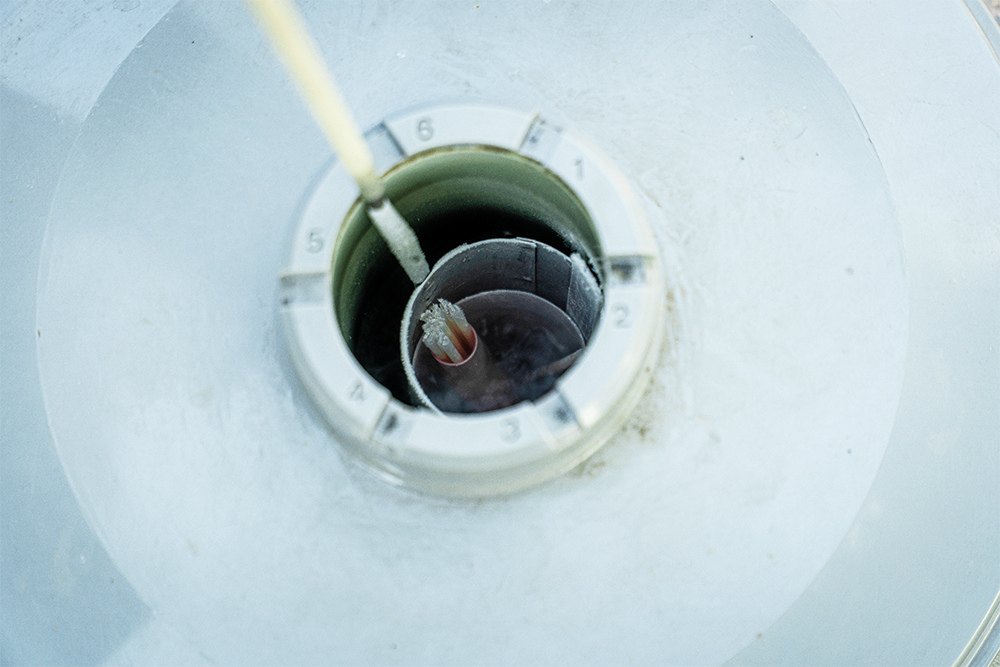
[357, 392]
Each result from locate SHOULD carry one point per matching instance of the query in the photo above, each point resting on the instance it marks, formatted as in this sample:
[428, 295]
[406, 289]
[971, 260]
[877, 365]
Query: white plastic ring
[505, 450]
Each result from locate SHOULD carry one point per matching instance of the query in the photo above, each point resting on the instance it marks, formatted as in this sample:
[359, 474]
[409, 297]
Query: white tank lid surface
[778, 445]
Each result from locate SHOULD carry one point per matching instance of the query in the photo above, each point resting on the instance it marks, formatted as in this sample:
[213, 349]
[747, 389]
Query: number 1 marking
[511, 430]
[315, 241]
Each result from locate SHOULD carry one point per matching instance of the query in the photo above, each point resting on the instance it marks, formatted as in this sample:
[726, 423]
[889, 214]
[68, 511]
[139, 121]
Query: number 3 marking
[621, 316]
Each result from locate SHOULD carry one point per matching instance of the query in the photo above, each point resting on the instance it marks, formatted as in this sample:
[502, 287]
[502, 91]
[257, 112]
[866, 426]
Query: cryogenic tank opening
[497, 322]
[452, 197]
[538, 244]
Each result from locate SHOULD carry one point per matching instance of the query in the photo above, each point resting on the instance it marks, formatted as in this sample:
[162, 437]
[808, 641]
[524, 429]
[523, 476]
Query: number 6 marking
[425, 129]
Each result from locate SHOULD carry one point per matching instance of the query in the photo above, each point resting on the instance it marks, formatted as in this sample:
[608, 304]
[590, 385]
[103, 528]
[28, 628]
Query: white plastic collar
[502, 451]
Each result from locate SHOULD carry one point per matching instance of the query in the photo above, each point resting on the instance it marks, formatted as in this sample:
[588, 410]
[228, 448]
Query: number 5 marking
[314, 243]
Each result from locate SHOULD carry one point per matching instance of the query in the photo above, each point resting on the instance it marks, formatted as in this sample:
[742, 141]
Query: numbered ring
[505, 450]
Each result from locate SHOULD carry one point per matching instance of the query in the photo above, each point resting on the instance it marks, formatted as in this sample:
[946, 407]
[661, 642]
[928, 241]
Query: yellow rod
[291, 39]
[282, 22]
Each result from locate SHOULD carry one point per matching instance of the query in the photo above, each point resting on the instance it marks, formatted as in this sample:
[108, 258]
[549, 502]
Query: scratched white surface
[62, 54]
[226, 503]
[221, 497]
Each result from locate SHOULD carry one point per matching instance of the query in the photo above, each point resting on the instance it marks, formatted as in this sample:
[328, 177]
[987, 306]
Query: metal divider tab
[541, 140]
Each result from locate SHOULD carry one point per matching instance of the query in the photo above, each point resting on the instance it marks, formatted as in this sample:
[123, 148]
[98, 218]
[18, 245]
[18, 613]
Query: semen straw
[465, 367]
[291, 39]
[447, 333]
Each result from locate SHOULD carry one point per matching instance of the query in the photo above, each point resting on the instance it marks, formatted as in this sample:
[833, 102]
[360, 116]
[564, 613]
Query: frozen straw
[465, 370]
[447, 333]
[291, 39]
